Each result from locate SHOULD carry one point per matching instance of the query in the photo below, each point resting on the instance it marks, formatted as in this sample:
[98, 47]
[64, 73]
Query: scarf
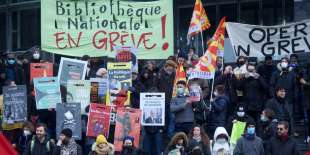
[70, 149]
[249, 136]
[197, 139]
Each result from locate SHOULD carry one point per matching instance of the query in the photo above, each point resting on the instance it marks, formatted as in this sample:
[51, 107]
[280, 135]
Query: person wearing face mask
[254, 89]
[267, 69]
[148, 75]
[128, 146]
[240, 69]
[40, 144]
[23, 140]
[66, 145]
[218, 109]
[282, 144]
[249, 143]
[136, 89]
[181, 106]
[267, 126]
[239, 115]
[13, 71]
[177, 144]
[164, 83]
[220, 142]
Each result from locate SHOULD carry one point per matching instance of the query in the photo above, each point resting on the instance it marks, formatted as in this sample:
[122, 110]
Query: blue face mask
[180, 91]
[11, 61]
[251, 130]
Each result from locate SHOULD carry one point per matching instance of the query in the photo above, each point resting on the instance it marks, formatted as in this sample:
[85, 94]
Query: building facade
[20, 19]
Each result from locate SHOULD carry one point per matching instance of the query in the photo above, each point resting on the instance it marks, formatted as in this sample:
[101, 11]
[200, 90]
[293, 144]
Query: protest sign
[94, 27]
[41, 70]
[98, 120]
[127, 124]
[98, 91]
[278, 41]
[127, 54]
[14, 104]
[78, 91]
[237, 131]
[71, 69]
[47, 92]
[153, 109]
[119, 76]
[194, 92]
[68, 115]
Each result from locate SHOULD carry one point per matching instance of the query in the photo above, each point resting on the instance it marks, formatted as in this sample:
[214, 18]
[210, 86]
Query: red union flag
[180, 75]
[207, 62]
[199, 21]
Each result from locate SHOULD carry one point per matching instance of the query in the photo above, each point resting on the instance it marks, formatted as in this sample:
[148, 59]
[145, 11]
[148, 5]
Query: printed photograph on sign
[78, 91]
[153, 109]
[98, 120]
[47, 92]
[14, 104]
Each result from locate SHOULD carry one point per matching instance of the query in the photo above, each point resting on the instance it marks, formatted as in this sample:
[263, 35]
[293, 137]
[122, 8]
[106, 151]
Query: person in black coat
[267, 126]
[24, 139]
[136, 89]
[266, 70]
[218, 109]
[13, 71]
[254, 88]
[282, 144]
[149, 74]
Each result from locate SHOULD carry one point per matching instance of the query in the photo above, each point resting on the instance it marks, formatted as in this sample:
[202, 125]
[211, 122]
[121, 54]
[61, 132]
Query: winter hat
[67, 132]
[132, 139]
[101, 139]
[181, 54]
[171, 63]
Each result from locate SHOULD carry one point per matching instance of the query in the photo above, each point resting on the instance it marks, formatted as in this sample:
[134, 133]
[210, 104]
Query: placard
[14, 104]
[78, 91]
[71, 69]
[98, 91]
[194, 92]
[127, 54]
[119, 76]
[40, 70]
[68, 115]
[128, 123]
[153, 109]
[47, 92]
[98, 120]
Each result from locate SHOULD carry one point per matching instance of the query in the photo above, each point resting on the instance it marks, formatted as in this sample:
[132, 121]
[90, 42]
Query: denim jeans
[170, 131]
[152, 143]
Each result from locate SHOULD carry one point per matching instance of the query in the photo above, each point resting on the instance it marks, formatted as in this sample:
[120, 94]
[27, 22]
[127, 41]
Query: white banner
[277, 41]
[153, 109]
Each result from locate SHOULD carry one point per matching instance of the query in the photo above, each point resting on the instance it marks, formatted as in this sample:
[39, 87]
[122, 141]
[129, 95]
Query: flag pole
[202, 45]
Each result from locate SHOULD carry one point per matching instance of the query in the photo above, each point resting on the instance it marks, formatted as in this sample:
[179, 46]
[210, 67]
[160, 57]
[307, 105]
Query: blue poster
[47, 92]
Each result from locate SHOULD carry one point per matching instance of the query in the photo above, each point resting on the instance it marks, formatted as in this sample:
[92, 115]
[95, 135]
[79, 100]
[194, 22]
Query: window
[250, 13]
[29, 33]
[2, 31]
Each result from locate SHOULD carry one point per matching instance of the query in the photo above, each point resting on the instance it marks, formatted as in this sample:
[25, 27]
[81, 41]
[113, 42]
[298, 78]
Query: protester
[177, 144]
[266, 70]
[249, 143]
[267, 126]
[198, 141]
[220, 142]
[136, 89]
[102, 147]
[253, 88]
[218, 109]
[182, 107]
[13, 71]
[40, 143]
[240, 69]
[192, 56]
[149, 74]
[66, 144]
[128, 146]
[24, 139]
[282, 143]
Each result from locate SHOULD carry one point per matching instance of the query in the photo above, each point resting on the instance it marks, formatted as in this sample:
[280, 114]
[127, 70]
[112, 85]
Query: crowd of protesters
[269, 97]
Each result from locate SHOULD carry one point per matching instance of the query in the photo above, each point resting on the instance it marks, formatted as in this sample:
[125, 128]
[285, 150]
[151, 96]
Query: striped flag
[180, 75]
[199, 21]
[206, 66]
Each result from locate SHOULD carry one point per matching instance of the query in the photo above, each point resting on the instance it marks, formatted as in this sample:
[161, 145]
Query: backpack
[48, 147]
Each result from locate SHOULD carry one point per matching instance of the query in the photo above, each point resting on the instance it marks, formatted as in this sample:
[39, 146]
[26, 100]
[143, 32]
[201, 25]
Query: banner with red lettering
[94, 27]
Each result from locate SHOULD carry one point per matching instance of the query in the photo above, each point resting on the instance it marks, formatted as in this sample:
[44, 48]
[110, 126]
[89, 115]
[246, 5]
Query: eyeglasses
[280, 129]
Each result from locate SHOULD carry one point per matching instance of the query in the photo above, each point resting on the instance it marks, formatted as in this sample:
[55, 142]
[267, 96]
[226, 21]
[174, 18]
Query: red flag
[6, 146]
[180, 75]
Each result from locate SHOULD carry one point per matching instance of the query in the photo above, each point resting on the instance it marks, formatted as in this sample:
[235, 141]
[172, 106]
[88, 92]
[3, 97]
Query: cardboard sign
[14, 104]
[71, 69]
[98, 120]
[127, 124]
[47, 92]
[68, 115]
[38, 70]
[119, 76]
[78, 91]
[153, 109]
[98, 91]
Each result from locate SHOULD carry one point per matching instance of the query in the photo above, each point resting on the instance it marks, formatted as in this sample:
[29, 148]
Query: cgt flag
[180, 75]
[206, 66]
[199, 21]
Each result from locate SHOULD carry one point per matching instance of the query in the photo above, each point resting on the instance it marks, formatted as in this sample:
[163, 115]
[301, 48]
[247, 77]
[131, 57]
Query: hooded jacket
[216, 146]
[96, 151]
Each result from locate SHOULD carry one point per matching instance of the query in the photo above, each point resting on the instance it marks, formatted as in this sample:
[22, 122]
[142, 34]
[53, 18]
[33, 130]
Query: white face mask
[221, 140]
[36, 55]
[216, 93]
[240, 114]
[284, 64]
[27, 132]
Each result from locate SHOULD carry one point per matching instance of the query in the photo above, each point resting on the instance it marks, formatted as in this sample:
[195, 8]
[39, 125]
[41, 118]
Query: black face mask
[240, 63]
[65, 142]
[128, 149]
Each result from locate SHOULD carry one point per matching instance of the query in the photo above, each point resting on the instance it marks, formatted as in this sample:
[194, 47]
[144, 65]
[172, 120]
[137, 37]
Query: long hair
[175, 139]
[204, 137]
